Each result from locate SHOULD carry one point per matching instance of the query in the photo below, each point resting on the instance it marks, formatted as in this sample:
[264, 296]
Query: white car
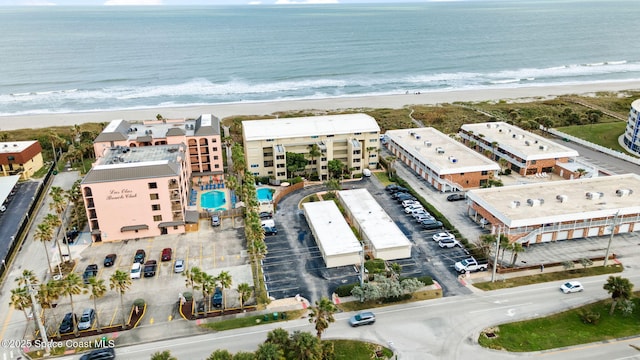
[136, 269]
[449, 243]
[413, 208]
[443, 236]
[409, 202]
[571, 287]
[420, 217]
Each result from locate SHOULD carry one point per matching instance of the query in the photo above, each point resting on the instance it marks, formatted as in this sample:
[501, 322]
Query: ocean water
[71, 59]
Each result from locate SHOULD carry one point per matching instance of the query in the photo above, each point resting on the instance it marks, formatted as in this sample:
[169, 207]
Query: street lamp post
[613, 228]
[36, 316]
[495, 258]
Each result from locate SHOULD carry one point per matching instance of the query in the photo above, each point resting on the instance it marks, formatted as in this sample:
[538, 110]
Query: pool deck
[198, 191]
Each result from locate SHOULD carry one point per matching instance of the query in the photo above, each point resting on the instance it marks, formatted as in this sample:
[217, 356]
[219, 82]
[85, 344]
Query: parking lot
[211, 249]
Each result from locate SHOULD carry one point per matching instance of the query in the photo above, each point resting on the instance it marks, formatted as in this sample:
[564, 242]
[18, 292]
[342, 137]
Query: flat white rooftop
[439, 152]
[525, 144]
[581, 199]
[308, 126]
[331, 229]
[380, 229]
[15, 146]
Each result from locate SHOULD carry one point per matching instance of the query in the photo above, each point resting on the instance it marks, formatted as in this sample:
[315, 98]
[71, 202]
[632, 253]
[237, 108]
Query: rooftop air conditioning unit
[526, 142]
[513, 135]
[440, 150]
[624, 192]
[427, 143]
[543, 147]
[453, 159]
[591, 195]
[500, 130]
[488, 126]
[535, 202]
[514, 204]
[562, 198]
[417, 136]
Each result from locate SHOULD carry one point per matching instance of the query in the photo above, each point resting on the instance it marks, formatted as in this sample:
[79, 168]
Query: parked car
[456, 197]
[571, 287]
[391, 187]
[431, 224]
[409, 202]
[178, 267]
[366, 172]
[363, 318]
[448, 243]
[471, 265]
[89, 272]
[410, 209]
[215, 220]
[420, 217]
[71, 236]
[265, 215]
[397, 195]
[166, 254]
[87, 319]
[216, 300]
[66, 326]
[139, 257]
[136, 268]
[100, 354]
[150, 268]
[404, 196]
[110, 259]
[270, 230]
[443, 236]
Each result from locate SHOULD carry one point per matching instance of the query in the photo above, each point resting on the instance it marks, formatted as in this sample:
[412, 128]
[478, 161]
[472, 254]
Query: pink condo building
[201, 136]
[142, 180]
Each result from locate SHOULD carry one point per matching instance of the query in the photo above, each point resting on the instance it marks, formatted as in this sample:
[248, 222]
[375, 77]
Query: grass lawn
[382, 176]
[416, 296]
[253, 320]
[549, 276]
[563, 329]
[605, 134]
[357, 350]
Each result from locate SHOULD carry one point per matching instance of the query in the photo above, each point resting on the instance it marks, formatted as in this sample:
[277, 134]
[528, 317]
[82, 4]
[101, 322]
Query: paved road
[602, 161]
[17, 208]
[446, 328]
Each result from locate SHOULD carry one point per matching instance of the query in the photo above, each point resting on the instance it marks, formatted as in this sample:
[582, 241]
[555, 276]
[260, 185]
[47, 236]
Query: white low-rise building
[559, 210]
[335, 239]
[382, 237]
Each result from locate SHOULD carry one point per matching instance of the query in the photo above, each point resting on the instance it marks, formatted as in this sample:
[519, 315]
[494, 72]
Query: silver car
[178, 267]
[86, 320]
[363, 318]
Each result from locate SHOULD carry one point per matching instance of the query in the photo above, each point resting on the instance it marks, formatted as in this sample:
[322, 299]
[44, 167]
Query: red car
[166, 254]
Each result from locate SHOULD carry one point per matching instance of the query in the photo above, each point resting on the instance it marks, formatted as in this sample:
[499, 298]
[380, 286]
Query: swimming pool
[213, 200]
[264, 194]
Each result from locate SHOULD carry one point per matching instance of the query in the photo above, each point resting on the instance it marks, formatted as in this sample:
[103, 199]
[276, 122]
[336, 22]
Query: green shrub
[396, 298]
[139, 302]
[375, 266]
[426, 280]
[590, 317]
[345, 290]
[188, 296]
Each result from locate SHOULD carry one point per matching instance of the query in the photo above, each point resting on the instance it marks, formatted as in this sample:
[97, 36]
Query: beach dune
[521, 94]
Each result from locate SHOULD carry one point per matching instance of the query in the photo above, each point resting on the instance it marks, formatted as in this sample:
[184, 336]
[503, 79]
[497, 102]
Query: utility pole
[495, 258]
[613, 228]
[36, 316]
[362, 266]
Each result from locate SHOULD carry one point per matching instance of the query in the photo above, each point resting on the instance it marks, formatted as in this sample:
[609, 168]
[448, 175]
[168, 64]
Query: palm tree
[56, 140]
[44, 233]
[322, 315]
[270, 351]
[314, 152]
[620, 289]
[47, 294]
[190, 280]
[209, 283]
[504, 163]
[224, 278]
[54, 222]
[28, 277]
[59, 204]
[98, 289]
[71, 285]
[244, 290]
[581, 172]
[121, 282]
[20, 300]
[516, 248]
[74, 196]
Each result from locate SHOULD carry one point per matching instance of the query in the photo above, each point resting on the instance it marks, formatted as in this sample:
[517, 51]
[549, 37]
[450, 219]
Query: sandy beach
[344, 103]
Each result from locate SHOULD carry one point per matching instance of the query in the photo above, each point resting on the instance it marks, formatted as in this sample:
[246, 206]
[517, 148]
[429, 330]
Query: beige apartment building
[354, 139]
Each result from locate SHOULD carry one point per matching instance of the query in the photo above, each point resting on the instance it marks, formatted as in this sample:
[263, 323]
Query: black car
[404, 197]
[391, 187]
[150, 268]
[89, 272]
[399, 194]
[139, 257]
[110, 259]
[100, 354]
[270, 230]
[216, 300]
[67, 324]
[456, 197]
[431, 224]
[398, 189]
[72, 235]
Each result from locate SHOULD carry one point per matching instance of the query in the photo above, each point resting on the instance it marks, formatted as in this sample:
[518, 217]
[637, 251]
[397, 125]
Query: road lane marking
[500, 307]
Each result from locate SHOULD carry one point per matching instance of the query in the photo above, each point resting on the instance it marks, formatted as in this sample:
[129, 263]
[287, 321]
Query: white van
[268, 223]
[366, 172]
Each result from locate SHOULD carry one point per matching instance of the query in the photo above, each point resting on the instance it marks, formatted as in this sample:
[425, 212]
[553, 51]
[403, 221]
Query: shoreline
[521, 94]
